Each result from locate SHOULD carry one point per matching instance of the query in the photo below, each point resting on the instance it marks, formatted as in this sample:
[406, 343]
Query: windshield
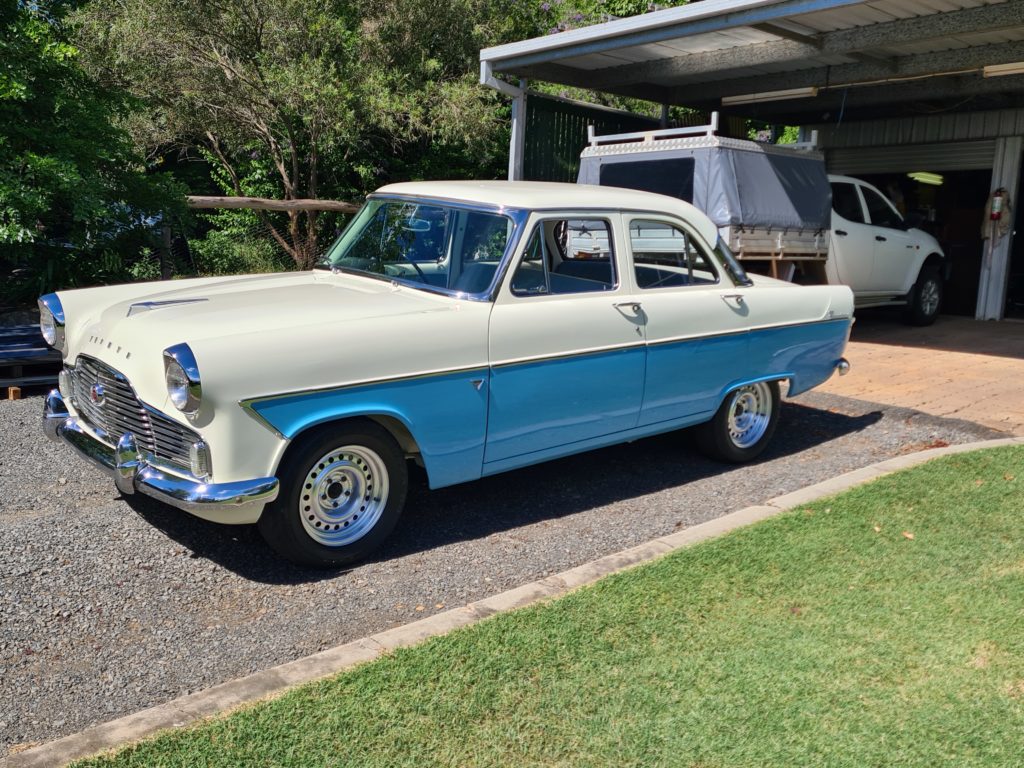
[424, 243]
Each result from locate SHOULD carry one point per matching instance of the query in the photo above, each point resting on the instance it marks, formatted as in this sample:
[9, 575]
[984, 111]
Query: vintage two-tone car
[472, 327]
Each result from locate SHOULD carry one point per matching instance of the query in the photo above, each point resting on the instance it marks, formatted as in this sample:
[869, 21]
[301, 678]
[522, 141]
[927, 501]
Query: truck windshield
[731, 264]
[424, 244]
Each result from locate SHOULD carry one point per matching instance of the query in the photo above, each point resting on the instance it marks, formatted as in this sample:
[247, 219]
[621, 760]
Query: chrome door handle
[633, 306]
[737, 296]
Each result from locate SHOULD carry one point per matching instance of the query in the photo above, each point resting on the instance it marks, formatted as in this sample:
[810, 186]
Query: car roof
[549, 195]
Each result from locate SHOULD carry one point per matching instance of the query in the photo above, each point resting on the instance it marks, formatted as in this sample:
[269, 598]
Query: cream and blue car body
[470, 367]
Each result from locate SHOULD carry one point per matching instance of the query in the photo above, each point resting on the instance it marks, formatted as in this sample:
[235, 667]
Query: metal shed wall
[951, 156]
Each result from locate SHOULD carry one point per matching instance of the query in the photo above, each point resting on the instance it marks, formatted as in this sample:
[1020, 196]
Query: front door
[895, 252]
[566, 347]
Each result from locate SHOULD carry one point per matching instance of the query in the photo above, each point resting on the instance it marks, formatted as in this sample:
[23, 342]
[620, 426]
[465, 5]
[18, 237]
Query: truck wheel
[342, 492]
[743, 425]
[925, 297]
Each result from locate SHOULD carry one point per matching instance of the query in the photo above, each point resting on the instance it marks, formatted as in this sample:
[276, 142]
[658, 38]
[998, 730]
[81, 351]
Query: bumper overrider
[131, 472]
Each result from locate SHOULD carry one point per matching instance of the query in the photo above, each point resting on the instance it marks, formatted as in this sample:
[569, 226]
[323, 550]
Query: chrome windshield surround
[518, 216]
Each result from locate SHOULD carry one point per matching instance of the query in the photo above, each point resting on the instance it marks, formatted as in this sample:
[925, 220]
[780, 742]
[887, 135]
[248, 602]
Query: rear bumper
[224, 502]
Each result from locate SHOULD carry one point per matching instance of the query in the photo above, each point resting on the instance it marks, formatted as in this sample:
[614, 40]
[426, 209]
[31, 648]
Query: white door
[895, 252]
[852, 248]
[566, 346]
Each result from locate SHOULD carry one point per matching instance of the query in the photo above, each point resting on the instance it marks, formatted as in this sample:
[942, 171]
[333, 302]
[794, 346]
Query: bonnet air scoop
[147, 306]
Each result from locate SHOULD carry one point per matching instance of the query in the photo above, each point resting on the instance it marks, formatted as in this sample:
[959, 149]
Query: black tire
[925, 297]
[718, 440]
[330, 480]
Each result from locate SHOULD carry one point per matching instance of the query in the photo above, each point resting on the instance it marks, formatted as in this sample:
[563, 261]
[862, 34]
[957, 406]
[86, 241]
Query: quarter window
[566, 256]
[666, 256]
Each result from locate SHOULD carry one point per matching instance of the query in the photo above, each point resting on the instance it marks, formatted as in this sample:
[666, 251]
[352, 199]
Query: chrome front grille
[121, 411]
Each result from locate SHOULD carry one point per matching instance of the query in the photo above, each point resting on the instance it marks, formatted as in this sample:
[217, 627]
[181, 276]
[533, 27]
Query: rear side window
[666, 256]
[882, 214]
[846, 202]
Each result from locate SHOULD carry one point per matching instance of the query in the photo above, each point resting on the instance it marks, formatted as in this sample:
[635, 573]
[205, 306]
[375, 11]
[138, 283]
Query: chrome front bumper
[131, 473]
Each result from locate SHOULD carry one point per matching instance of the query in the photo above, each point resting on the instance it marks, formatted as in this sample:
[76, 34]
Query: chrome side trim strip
[248, 402]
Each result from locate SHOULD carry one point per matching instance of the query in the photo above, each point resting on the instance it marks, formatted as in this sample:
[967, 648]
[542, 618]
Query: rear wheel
[342, 492]
[743, 425]
[925, 297]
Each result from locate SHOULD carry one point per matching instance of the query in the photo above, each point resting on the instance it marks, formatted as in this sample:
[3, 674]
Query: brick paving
[959, 368]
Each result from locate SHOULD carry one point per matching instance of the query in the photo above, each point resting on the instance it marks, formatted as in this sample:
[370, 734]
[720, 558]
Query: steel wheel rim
[750, 411]
[930, 297]
[343, 495]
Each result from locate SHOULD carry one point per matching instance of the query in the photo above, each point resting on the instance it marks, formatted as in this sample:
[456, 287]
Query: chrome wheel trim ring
[750, 411]
[343, 495]
[930, 297]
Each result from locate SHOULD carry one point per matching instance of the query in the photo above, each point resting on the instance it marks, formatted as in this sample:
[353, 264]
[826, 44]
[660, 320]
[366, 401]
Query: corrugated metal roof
[665, 54]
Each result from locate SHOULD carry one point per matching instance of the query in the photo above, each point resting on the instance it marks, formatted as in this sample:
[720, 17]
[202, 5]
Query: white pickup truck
[883, 259]
[781, 213]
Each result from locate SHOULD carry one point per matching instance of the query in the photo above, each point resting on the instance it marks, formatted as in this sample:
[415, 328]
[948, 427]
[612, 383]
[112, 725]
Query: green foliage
[73, 192]
[310, 98]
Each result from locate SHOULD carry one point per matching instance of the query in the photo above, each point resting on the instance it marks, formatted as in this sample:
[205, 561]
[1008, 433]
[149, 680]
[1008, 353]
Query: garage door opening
[952, 212]
[1015, 280]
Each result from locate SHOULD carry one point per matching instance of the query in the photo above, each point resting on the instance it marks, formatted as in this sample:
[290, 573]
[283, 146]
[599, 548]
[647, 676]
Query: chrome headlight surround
[181, 373]
[51, 320]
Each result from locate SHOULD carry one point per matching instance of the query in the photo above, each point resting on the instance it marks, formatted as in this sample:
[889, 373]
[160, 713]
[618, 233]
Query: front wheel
[743, 424]
[342, 492]
[925, 297]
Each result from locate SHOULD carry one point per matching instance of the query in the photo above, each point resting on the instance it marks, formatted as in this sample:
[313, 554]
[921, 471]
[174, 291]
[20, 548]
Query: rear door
[695, 319]
[853, 238]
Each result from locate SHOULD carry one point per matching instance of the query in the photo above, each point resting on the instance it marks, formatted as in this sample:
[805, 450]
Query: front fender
[446, 415]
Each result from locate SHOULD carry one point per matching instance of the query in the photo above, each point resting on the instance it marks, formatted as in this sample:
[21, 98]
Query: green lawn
[881, 627]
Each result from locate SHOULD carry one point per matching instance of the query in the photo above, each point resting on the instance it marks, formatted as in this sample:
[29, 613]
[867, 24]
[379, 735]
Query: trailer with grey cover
[772, 204]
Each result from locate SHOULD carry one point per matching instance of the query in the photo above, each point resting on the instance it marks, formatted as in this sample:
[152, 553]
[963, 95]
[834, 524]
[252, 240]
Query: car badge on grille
[97, 394]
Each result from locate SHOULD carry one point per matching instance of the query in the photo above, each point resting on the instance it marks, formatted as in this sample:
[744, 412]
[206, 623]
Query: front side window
[566, 256]
[666, 256]
[424, 243]
[881, 212]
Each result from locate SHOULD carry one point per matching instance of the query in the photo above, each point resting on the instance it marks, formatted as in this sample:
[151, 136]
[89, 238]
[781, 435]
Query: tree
[71, 184]
[307, 98]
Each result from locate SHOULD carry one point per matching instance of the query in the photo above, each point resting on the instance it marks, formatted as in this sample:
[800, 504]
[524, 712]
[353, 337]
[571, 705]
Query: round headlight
[47, 326]
[177, 385]
[181, 373]
[51, 320]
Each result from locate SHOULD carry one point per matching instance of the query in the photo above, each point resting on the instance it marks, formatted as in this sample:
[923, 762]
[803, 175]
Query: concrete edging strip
[276, 680]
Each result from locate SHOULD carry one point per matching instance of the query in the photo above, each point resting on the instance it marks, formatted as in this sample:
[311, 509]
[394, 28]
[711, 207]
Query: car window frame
[864, 189]
[613, 222]
[721, 273]
[860, 201]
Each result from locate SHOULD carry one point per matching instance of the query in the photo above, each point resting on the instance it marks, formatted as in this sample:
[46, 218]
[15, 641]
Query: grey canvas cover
[736, 183]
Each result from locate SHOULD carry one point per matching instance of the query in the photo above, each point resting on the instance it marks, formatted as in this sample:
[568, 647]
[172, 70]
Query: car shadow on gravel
[510, 500]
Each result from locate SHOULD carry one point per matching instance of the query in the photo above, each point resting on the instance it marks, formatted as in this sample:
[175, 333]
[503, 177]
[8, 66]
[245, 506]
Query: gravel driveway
[108, 606]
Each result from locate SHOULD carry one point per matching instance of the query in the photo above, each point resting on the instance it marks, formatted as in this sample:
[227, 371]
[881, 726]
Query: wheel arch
[392, 423]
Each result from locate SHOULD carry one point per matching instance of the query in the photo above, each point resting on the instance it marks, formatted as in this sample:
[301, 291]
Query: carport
[892, 86]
